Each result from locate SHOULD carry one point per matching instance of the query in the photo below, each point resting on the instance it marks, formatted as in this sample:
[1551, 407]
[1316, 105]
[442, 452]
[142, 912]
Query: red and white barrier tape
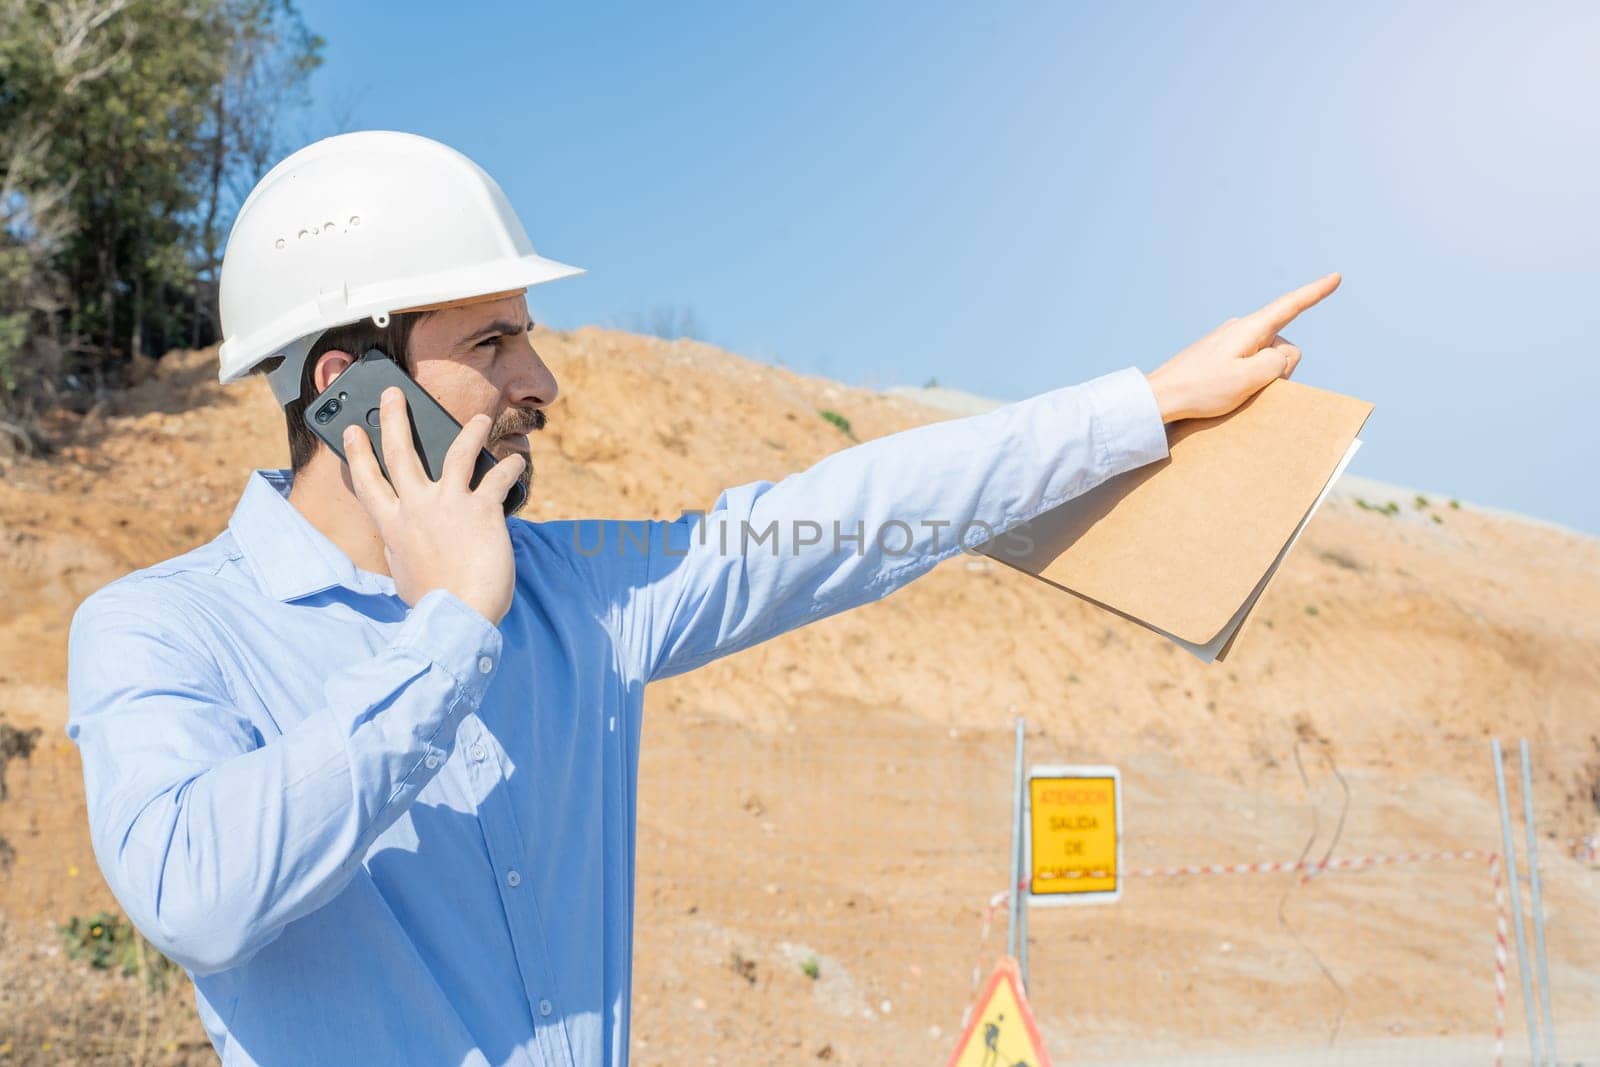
[995, 901]
[1312, 868]
[1499, 963]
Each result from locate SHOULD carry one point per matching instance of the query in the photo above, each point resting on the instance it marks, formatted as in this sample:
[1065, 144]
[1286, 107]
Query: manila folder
[1186, 545]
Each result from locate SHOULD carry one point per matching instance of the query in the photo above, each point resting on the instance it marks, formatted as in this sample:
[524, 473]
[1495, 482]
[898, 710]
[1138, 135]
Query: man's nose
[535, 384]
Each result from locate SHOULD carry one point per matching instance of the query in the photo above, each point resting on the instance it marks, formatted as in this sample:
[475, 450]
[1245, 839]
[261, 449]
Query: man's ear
[330, 365]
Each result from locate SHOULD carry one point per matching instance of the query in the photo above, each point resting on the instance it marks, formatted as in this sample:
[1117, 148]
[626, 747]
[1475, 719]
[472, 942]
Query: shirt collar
[290, 557]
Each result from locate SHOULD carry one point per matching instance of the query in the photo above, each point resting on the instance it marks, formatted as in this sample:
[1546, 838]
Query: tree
[128, 130]
[48, 54]
[271, 56]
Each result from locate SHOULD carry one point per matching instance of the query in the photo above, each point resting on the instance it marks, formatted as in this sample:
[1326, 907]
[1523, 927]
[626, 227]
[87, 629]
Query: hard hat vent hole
[279, 243]
[381, 319]
[328, 225]
[304, 234]
[355, 220]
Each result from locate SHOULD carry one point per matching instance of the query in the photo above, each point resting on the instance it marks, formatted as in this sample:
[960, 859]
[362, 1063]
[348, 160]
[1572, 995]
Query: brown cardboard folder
[1185, 546]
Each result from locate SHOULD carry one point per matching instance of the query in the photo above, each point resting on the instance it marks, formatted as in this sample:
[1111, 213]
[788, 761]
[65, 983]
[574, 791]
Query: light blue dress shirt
[381, 834]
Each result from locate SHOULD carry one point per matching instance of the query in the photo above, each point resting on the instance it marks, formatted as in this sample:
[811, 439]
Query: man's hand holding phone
[444, 534]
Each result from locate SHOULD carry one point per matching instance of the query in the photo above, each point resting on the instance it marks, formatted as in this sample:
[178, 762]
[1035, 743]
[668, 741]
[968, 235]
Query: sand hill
[836, 799]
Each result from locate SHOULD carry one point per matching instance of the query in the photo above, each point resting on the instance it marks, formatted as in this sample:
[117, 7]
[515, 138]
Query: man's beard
[517, 422]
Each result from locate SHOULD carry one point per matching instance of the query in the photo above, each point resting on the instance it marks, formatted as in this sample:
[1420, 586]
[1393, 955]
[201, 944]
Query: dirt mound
[1398, 638]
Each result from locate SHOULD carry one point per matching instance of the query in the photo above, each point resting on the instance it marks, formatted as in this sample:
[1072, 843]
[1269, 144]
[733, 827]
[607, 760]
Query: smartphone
[352, 399]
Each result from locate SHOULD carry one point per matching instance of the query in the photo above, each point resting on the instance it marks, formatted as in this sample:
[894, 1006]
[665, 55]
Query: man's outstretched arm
[864, 521]
[867, 520]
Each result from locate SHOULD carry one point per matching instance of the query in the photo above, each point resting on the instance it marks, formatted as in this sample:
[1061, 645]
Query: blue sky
[1012, 197]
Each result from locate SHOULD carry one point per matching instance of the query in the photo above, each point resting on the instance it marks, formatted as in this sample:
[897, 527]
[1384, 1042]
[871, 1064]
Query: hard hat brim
[348, 304]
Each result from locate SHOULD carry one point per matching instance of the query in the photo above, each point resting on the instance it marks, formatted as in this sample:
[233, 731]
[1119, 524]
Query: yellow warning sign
[1075, 834]
[1002, 1032]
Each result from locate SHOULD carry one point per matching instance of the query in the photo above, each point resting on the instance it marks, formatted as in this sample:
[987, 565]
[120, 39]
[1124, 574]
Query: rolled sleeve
[1128, 431]
[445, 630]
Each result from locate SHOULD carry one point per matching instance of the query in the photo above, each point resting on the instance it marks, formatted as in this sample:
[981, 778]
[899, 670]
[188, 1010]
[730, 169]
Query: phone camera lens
[328, 411]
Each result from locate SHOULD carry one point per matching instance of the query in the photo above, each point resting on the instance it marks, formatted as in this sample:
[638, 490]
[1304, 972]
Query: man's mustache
[523, 422]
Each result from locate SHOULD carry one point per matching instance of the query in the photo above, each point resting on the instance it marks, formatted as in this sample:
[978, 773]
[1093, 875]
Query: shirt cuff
[448, 631]
[1128, 431]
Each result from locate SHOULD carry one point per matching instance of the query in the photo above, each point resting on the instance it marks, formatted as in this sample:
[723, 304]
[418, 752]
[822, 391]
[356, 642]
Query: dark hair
[356, 338]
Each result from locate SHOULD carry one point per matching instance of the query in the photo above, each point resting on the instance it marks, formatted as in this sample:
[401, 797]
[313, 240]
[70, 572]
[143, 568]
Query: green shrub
[107, 941]
[840, 421]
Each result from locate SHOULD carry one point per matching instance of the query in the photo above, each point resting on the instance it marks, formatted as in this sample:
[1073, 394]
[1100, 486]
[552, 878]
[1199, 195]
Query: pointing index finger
[1282, 311]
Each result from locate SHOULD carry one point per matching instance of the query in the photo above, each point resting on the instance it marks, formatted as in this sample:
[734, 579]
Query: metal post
[1547, 1017]
[1023, 874]
[1016, 848]
[1516, 903]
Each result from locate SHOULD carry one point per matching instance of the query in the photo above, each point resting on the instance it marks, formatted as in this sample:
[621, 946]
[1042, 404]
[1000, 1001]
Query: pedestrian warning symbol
[1074, 838]
[1002, 1032]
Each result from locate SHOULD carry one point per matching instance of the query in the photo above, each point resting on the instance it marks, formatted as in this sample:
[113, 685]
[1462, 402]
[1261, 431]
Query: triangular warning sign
[1002, 1032]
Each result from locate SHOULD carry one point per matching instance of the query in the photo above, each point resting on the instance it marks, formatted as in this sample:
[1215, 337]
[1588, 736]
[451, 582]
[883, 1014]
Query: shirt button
[431, 762]
[513, 879]
[476, 751]
[545, 1007]
[485, 664]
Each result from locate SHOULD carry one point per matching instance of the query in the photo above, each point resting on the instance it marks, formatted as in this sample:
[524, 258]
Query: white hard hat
[363, 224]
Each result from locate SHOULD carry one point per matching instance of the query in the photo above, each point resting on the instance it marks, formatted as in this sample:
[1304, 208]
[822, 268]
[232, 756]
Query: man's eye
[487, 341]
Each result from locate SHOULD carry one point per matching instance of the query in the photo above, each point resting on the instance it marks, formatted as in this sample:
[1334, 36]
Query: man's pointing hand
[1232, 363]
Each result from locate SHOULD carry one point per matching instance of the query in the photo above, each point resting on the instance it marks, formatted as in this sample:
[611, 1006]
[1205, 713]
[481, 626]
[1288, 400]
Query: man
[365, 763]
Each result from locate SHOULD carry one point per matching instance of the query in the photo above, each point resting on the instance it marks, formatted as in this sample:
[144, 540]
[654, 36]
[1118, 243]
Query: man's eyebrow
[499, 327]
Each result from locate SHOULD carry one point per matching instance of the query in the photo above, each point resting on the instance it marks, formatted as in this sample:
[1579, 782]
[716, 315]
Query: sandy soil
[840, 795]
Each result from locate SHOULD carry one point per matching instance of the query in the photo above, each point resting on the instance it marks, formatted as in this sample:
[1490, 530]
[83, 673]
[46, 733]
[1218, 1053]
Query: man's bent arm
[212, 838]
[868, 519]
